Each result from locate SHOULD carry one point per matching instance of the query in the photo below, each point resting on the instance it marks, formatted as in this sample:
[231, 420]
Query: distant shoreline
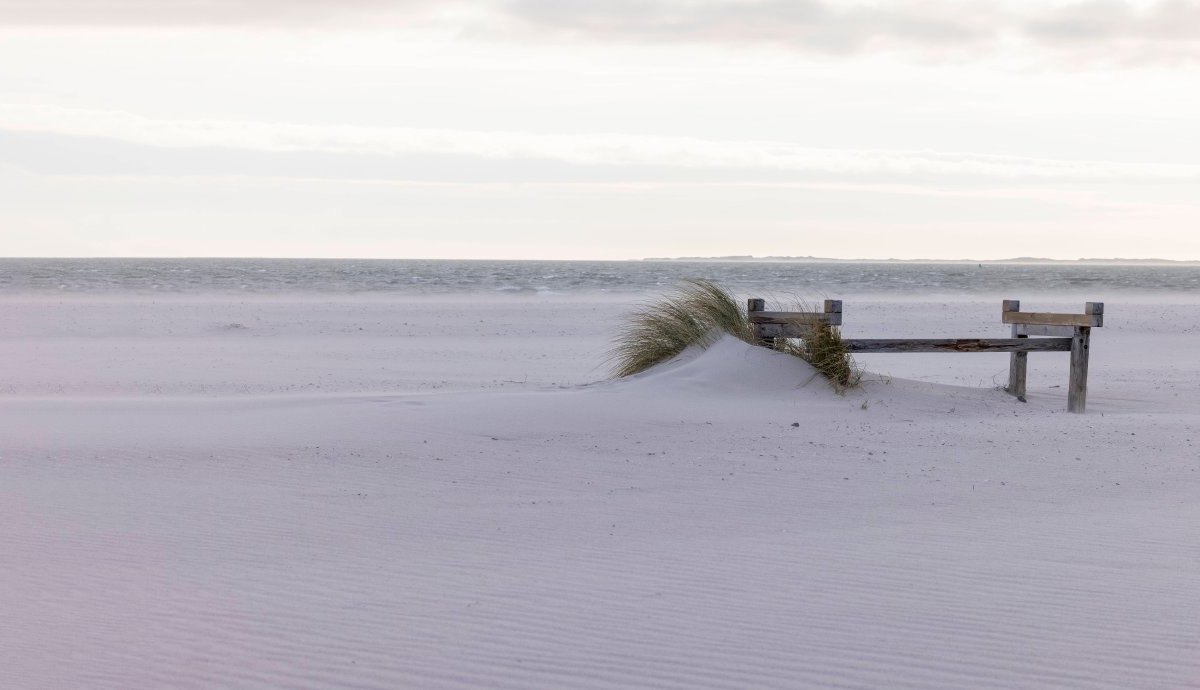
[1024, 260]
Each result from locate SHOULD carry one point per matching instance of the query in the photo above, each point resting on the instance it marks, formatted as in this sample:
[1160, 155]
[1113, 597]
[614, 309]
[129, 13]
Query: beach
[312, 315]
[448, 491]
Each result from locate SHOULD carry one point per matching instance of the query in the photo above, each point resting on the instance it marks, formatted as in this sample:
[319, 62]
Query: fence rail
[959, 345]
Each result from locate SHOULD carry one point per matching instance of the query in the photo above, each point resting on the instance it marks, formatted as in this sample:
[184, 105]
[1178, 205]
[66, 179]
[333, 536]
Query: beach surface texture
[415, 492]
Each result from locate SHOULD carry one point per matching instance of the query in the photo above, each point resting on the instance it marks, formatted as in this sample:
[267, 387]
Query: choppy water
[346, 276]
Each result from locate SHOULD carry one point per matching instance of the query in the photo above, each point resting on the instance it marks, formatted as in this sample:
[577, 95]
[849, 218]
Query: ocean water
[353, 276]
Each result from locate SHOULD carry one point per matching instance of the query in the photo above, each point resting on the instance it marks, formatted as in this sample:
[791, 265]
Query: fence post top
[1094, 308]
[1011, 305]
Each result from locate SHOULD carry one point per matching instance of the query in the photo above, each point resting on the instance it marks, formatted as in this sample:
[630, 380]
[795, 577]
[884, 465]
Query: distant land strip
[1015, 260]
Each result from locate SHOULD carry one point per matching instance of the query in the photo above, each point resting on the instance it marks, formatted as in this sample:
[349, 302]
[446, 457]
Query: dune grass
[694, 313]
[827, 353]
[699, 311]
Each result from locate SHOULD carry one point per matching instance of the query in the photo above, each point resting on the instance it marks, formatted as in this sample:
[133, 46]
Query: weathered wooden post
[756, 304]
[831, 307]
[1080, 347]
[1018, 362]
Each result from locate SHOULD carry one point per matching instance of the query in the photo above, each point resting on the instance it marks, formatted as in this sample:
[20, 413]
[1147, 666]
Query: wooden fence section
[792, 324]
[1031, 332]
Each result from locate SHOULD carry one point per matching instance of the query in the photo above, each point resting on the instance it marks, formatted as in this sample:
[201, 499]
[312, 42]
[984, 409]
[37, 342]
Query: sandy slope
[673, 530]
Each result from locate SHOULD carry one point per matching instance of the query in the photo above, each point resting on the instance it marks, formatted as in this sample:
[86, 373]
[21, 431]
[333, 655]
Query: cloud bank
[599, 149]
[1150, 28]
[195, 13]
[847, 26]
[817, 25]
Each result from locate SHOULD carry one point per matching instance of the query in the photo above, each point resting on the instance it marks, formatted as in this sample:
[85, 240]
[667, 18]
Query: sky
[600, 129]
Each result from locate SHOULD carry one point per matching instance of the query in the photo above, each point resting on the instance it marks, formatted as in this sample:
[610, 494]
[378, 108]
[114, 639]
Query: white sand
[434, 494]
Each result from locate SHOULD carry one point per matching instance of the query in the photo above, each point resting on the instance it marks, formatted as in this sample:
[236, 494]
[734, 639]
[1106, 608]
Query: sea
[431, 277]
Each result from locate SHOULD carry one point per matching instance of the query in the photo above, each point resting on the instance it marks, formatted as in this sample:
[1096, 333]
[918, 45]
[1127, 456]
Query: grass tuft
[691, 315]
[827, 353]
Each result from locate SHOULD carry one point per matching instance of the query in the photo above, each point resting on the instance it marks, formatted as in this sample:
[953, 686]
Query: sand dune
[722, 521]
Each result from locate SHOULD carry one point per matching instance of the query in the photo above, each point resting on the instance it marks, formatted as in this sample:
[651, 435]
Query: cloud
[1097, 29]
[812, 24]
[669, 157]
[1109, 20]
[1138, 29]
[806, 24]
[185, 13]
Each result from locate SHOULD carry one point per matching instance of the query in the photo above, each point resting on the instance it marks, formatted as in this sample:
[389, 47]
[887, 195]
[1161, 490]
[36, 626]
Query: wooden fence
[1031, 332]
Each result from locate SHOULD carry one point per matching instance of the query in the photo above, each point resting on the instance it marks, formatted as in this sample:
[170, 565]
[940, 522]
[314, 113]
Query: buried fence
[1031, 332]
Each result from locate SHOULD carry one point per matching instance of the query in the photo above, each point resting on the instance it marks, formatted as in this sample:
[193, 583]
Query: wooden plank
[1024, 329]
[1018, 365]
[784, 330]
[788, 317]
[1018, 362]
[1077, 383]
[756, 305]
[809, 318]
[960, 345]
[1051, 319]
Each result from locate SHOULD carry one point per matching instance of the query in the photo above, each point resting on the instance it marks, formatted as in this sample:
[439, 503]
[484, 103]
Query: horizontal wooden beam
[960, 345]
[808, 318]
[784, 330]
[1049, 319]
[1034, 329]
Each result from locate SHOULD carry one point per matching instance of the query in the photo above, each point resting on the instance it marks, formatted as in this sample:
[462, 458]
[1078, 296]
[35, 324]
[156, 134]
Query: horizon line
[709, 259]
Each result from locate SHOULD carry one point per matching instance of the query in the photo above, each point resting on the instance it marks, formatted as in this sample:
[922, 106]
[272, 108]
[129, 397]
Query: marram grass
[690, 315]
[696, 312]
[827, 353]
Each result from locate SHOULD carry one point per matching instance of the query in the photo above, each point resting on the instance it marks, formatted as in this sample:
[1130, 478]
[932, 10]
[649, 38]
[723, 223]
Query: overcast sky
[600, 128]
